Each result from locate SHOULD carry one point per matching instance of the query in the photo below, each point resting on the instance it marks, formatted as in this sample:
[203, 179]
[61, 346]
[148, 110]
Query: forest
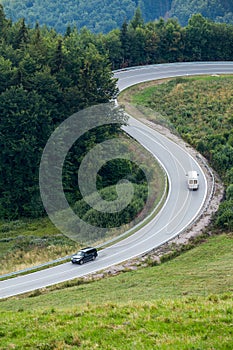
[96, 15]
[44, 79]
[46, 76]
[219, 11]
[104, 16]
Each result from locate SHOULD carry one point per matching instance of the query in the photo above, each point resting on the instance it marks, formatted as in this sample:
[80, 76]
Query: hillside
[96, 15]
[200, 110]
[219, 11]
[185, 303]
[103, 16]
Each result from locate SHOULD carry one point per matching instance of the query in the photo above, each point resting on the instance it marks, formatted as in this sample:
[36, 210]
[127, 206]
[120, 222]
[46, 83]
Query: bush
[224, 218]
[229, 192]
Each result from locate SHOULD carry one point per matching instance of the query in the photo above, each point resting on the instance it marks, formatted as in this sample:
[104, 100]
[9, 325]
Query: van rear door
[193, 182]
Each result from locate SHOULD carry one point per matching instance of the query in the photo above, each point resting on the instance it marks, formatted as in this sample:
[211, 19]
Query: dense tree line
[104, 16]
[137, 43]
[44, 79]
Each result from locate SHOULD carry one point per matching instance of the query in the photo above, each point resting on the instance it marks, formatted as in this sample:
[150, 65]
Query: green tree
[3, 22]
[22, 35]
[151, 43]
[222, 158]
[137, 46]
[7, 73]
[113, 46]
[171, 41]
[58, 58]
[197, 33]
[224, 218]
[229, 192]
[137, 20]
[125, 44]
[68, 31]
[24, 129]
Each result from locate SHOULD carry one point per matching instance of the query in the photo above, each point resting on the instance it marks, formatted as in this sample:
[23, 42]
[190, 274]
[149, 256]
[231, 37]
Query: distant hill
[105, 15]
[217, 10]
[97, 15]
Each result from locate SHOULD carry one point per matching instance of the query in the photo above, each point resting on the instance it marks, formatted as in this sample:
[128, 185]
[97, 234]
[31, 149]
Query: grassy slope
[185, 324]
[25, 243]
[181, 304]
[196, 106]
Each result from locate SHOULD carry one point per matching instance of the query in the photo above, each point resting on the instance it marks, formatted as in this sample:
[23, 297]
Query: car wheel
[81, 262]
[93, 257]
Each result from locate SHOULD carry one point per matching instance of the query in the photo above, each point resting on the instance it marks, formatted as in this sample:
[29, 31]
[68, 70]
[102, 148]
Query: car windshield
[80, 254]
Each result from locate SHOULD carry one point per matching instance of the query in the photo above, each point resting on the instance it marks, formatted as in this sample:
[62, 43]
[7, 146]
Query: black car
[84, 255]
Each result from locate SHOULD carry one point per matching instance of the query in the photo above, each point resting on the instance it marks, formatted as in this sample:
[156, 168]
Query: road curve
[180, 209]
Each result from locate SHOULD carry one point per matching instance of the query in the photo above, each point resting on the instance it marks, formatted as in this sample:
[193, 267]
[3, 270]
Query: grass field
[198, 323]
[186, 303]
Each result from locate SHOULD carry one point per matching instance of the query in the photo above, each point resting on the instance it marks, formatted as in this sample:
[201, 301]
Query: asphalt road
[129, 77]
[180, 209]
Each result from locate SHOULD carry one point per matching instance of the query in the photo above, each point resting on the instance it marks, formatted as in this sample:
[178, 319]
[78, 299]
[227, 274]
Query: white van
[193, 182]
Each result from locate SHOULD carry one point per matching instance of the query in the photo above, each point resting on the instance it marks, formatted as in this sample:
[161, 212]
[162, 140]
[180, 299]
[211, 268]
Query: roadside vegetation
[30, 242]
[26, 243]
[199, 109]
[184, 303]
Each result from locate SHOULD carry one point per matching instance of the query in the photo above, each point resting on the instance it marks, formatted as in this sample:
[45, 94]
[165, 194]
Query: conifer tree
[137, 20]
[57, 61]
[125, 43]
[22, 37]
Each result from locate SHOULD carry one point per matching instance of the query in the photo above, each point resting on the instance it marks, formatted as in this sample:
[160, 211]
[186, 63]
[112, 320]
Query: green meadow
[184, 303]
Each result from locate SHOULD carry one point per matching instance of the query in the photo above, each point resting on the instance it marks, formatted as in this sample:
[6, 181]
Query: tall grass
[26, 243]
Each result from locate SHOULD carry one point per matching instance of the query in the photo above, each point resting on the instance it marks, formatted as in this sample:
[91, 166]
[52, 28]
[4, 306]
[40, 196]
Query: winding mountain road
[181, 208]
